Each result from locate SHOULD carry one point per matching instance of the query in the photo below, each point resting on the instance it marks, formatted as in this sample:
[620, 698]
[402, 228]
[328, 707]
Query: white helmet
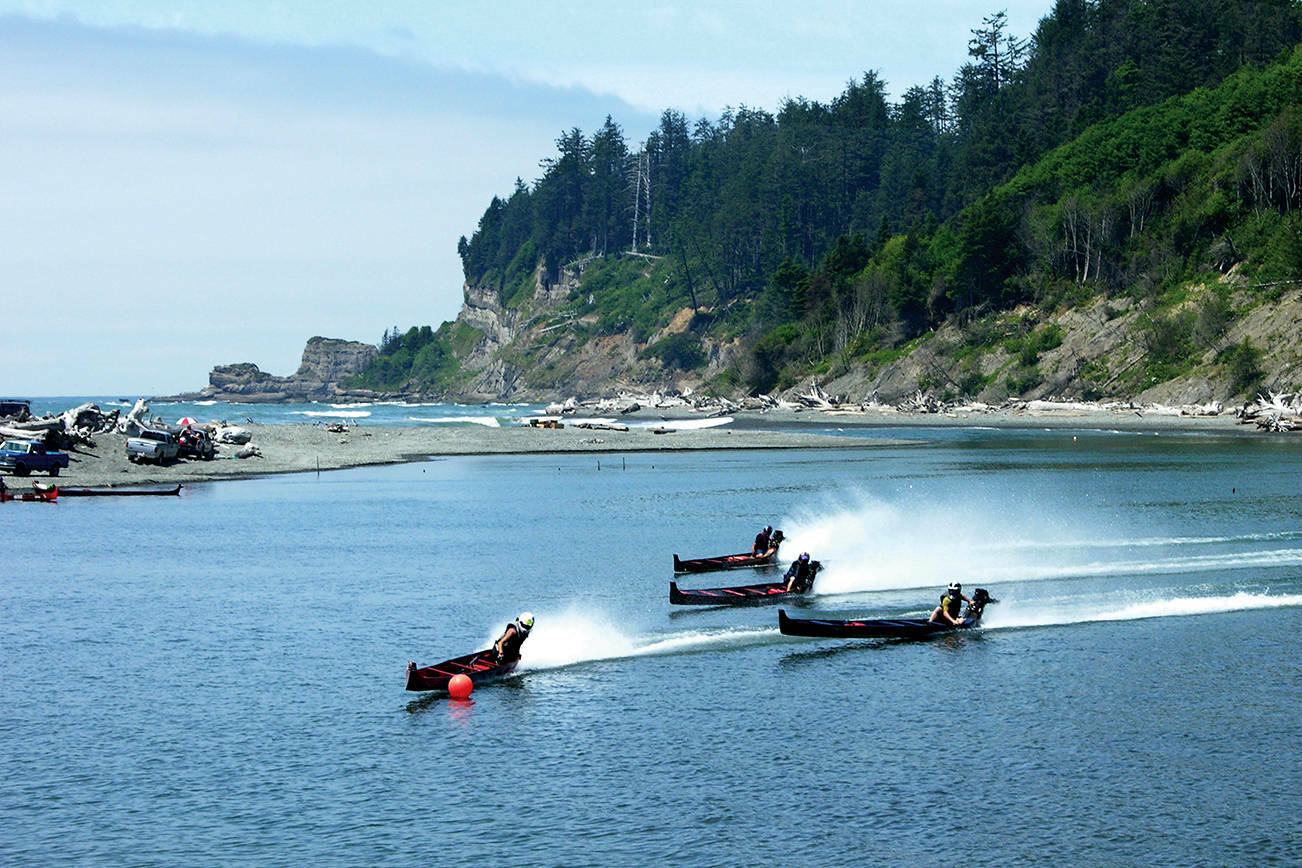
[525, 621]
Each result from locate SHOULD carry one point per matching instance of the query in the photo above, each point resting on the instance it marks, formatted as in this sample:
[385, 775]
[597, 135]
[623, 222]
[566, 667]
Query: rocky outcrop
[326, 363]
[330, 360]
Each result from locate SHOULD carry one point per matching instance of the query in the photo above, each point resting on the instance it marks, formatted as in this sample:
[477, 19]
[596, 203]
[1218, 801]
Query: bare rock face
[329, 360]
[326, 362]
[236, 376]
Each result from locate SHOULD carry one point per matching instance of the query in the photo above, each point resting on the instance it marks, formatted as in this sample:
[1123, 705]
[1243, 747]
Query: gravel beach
[311, 447]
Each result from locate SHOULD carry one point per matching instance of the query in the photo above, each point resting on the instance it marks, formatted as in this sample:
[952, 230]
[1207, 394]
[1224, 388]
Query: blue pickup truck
[20, 458]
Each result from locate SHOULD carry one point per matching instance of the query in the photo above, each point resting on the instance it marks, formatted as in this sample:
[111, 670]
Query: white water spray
[1031, 615]
[571, 637]
[872, 545]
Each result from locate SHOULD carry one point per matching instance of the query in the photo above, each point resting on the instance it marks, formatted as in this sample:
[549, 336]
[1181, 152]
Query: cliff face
[534, 352]
[330, 360]
[325, 362]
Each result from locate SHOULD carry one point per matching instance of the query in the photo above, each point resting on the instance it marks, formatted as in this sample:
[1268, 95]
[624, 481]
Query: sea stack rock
[326, 362]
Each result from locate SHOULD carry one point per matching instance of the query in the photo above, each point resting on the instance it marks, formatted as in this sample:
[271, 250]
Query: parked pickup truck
[156, 446]
[21, 457]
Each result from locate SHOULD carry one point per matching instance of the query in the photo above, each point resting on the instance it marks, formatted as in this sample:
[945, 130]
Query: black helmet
[768, 528]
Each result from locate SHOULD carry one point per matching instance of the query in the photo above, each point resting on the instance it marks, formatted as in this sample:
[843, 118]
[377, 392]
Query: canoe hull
[123, 492]
[883, 628]
[739, 595]
[51, 496]
[479, 666]
[739, 561]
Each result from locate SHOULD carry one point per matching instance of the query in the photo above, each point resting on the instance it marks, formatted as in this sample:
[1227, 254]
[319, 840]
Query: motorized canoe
[120, 492]
[729, 562]
[883, 628]
[480, 666]
[740, 595]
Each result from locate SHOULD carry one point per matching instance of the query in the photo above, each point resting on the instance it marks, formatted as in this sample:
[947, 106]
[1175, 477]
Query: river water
[218, 678]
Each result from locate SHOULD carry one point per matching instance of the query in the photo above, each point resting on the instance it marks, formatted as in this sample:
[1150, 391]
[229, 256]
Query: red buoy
[460, 686]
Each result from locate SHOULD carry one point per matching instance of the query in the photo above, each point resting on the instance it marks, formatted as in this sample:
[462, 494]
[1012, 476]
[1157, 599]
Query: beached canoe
[120, 492]
[37, 496]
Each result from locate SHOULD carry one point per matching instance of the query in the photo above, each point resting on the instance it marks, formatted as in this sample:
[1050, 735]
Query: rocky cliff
[326, 363]
[1100, 350]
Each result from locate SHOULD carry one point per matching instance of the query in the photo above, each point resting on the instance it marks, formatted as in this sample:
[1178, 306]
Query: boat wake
[567, 639]
[875, 546]
[1026, 615]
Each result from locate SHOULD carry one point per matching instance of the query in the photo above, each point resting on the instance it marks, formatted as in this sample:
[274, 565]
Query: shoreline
[310, 447]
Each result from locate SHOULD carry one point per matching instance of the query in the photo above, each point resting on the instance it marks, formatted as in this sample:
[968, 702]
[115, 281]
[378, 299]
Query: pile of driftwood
[75, 427]
[1281, 411]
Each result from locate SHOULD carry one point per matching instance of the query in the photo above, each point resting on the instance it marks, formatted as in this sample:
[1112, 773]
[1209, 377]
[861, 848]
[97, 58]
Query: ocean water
[218, 678]
[379, 413]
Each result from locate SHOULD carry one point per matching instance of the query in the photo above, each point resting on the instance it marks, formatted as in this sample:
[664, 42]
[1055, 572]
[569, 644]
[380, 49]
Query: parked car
[21, 457]
[156, 446]
[195, 443]
[11, 408]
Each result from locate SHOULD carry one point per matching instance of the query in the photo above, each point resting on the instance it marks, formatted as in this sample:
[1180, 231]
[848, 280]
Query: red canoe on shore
[37, 496]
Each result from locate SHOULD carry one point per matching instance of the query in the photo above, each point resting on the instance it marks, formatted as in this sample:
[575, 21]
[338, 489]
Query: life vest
[804, 573]
[761, 543]
[514, 638]
[951, 605]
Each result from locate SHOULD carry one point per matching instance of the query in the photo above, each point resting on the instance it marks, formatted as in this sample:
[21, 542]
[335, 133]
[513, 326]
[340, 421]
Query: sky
[188, 184]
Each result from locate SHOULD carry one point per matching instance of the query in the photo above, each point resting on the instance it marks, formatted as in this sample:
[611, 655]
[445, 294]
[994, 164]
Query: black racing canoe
[729, 562]
[740, 595]
[481, 666]
[119, 492]
[882, 628]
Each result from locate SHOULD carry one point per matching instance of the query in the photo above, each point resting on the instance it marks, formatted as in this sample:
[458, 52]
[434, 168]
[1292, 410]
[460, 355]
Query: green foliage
[769, 355]
[681, 351]
[1028, 347]
[1094, 377]
[419, 359]
[1243, 363]
[723, 383]
[1023, 380]
[628, 294]
[1128, 148]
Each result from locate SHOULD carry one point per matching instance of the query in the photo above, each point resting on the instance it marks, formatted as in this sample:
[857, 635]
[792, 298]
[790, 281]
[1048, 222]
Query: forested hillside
[1145, 155]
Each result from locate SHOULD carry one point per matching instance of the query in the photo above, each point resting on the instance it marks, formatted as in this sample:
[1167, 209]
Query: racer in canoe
[763, 540]
[508, 647]
[800, 575]
[951, 603]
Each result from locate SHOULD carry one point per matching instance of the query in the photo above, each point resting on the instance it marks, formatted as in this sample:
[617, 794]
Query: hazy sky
[188, 184]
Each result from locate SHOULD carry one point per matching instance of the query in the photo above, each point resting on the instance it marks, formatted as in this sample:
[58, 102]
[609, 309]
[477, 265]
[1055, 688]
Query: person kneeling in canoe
[800, 575]
[763, 540]
[951, 603]
[508, 647]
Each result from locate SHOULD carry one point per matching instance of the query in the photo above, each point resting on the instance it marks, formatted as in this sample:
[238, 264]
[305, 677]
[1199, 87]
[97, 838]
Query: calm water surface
[217, 678]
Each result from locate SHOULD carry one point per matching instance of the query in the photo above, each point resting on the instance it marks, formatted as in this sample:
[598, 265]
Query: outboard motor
[980, 599]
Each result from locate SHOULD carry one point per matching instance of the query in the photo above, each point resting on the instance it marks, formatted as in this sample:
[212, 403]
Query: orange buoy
[460, 686]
